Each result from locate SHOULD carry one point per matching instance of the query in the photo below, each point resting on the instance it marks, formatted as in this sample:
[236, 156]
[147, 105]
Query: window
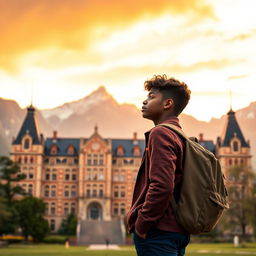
[235, 146]
[73, 174]
[54, 150]
[46, 191]
[46, 208]
[53, 191]
[25, 160]
[67, 174]
[30, 189]
[66, 209]
[101, 193]
[120, 150]
[136, 151]
[73, 191]
[88, 192]
[115, 209]
[53, 209]
[26, 144]
[31, 160]
[66, 191]
[73, 208]
[52, 225]
[70, 150]
[54, 174]
[116, 194]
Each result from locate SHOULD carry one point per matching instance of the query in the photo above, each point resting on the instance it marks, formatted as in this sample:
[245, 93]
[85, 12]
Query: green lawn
[60, 250]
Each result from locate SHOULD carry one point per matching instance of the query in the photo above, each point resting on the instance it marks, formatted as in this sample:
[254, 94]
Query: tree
[240, 190]
[10, 174]
[68, 226]
[4, 213]
[31, 221]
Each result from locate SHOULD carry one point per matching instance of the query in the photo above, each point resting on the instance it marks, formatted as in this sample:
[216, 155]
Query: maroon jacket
[160, 171]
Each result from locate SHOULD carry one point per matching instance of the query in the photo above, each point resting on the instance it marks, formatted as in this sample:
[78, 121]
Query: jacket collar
[170, 120]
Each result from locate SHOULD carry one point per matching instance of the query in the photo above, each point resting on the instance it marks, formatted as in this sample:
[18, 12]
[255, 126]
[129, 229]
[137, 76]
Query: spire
[232, 129]
[96, 128]
[230, 98]
[29, 126]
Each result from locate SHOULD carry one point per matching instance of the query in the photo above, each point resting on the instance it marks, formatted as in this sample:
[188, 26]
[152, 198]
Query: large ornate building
[94, 177]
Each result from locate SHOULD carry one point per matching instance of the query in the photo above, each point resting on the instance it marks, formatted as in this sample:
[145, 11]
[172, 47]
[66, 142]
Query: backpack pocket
[211, 211]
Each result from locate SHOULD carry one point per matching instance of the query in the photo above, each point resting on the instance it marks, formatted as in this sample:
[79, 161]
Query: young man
[151, 218]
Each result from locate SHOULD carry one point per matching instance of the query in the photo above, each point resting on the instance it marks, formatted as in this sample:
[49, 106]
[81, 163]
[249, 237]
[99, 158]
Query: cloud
[29, 25]
[237, 77]
[145, 71]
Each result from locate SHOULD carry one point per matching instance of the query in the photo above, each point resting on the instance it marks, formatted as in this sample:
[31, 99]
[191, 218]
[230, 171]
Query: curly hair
[170, 88]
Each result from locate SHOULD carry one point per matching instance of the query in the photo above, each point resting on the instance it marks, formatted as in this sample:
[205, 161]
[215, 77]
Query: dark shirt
[160, 172]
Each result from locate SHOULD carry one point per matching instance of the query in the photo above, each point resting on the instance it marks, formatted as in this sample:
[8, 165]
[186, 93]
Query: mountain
[114, 120]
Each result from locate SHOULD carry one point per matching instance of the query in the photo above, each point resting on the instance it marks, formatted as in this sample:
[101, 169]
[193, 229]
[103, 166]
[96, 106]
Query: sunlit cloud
[69, 48]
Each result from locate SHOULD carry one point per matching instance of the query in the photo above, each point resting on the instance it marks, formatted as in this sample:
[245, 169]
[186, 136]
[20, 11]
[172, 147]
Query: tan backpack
[203, 195]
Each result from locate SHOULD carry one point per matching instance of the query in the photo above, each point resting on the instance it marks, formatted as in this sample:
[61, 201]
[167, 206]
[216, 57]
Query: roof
[62, 144]
[208, 144]
[30, 127]
[232, 129]
[128, 145]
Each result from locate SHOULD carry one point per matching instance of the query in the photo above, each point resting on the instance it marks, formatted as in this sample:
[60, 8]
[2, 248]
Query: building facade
[91, 177]
[94, 177]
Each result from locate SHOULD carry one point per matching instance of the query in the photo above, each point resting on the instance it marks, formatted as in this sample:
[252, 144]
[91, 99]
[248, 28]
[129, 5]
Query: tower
[231, 148]
[27, 149]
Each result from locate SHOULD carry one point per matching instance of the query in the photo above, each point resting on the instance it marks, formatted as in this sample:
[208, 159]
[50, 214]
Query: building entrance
[94, 212]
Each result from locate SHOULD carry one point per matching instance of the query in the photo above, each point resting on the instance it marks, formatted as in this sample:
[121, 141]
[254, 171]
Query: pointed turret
[231, 148]
[30, 127]
[232, 130]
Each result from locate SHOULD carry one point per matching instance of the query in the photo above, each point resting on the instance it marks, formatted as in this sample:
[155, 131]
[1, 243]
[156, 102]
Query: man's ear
[168, 104]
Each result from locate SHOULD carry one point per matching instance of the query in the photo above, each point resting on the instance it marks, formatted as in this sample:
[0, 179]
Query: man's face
[153, 106]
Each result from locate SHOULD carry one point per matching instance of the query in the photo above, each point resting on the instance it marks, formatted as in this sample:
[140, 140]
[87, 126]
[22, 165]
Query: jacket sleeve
[162, 164]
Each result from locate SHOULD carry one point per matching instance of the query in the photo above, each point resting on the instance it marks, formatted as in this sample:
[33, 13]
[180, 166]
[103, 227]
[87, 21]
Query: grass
[60, 250]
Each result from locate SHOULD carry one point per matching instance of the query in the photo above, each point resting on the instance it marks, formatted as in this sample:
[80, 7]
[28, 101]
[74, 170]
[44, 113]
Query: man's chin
[144, 115]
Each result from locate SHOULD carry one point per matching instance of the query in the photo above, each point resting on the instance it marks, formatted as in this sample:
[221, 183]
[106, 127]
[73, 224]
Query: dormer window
[70, 150]
[136, 151]
[235, 146]
[120, 150]
[26, 144]
[54, 150]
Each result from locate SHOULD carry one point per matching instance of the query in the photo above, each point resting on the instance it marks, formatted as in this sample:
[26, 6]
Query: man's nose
[144, 102]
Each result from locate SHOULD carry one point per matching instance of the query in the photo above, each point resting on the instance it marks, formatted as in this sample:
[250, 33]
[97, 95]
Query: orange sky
[66, 49]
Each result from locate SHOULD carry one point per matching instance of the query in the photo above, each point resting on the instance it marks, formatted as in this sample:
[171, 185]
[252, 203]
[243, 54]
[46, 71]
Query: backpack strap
[183, 135]
[175, 129]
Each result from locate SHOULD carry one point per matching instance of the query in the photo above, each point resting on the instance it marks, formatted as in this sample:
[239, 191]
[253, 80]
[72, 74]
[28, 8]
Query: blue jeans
[161, 243]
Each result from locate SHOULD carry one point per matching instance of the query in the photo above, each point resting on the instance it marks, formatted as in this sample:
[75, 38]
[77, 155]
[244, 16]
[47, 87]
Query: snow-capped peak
[80, 106]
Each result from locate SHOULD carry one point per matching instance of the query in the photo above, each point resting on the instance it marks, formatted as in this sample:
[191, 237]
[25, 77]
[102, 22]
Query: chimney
[201, 137]
[135, 139]
[55, 135]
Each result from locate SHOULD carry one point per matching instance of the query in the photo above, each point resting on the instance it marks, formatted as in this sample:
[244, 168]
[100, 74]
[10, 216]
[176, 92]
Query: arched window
[70, 150]
[54, 150]
[235, 146]
[120, 150]
[136, 151]
[26, 144]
